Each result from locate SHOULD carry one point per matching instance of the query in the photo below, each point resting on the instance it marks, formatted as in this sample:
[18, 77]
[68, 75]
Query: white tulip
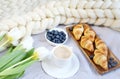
[42, 52]
[23, 30]
[14, 34]
[15, 42]
[3, 33]
[27, 43]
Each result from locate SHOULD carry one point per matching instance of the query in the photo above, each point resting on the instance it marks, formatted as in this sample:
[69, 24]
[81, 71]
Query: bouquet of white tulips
[17, 35]
[20, 54]
[16, 60]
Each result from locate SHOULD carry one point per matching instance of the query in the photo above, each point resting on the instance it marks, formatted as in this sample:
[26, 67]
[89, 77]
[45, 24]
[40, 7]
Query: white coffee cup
[61, 55]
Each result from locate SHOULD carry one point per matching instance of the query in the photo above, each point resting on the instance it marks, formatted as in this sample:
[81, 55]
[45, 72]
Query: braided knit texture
[17, 7]
[53, 13]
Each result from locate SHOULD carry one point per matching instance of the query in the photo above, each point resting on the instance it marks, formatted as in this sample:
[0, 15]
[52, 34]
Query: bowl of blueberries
[56, 36]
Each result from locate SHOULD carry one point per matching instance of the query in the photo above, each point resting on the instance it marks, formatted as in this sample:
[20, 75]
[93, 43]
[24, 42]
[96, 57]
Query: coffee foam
[62, 52]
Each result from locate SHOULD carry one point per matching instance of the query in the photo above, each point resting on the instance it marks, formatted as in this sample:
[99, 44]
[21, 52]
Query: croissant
[100, 51]
[101, 59]
[77, 31]
[86, 43]
[101, 54]
[101, 46]
[89, 32]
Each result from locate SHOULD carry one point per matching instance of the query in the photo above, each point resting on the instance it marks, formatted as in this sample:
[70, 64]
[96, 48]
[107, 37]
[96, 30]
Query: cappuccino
[62, 52]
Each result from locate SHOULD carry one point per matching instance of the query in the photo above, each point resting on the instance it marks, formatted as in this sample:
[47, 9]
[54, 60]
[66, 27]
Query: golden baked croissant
[77, 31]
[101, 59]
[100, 54]
[89, 32]
[86, 43]
[100, 45]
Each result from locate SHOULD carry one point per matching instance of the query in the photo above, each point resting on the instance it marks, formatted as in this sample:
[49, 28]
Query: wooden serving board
[87, 54]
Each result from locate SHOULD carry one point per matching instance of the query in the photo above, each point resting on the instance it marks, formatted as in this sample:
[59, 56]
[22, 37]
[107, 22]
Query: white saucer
[65, 72]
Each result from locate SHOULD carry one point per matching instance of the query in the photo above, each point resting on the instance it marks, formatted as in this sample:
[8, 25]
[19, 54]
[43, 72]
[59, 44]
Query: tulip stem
[4, 43]
[5, 40]
[21, 62]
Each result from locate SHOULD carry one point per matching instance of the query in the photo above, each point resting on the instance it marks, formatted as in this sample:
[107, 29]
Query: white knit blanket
[86, 71]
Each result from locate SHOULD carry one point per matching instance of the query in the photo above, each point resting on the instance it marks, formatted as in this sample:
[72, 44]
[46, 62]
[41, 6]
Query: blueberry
[53, 40]
[62, 41]
[56, 32]
[64, 34]
[49, 38]
[64, 38]
[52, 32]
[91, 56]
[48, 33]
[56, 40]
[113, 64]
[109, 66]
[60, 38]
[57, 36]
[61, 33]
[110, 61]
[111, 58]
[59, 41]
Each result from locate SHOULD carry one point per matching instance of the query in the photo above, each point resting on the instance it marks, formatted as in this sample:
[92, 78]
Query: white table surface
[86, 70]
